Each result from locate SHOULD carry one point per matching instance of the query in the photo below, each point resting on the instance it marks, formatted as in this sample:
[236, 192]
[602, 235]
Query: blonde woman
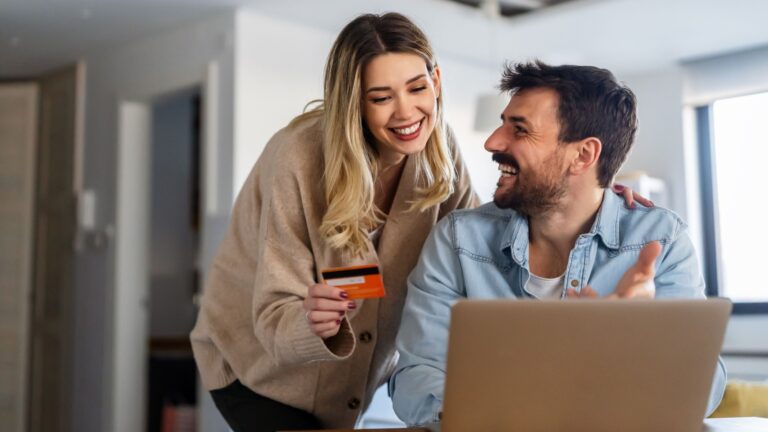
[361, 179]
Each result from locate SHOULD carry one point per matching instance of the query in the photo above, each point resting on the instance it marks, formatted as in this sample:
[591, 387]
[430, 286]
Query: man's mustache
[505, 159]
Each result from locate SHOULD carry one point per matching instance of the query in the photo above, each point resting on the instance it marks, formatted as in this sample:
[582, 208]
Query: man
[552, 230]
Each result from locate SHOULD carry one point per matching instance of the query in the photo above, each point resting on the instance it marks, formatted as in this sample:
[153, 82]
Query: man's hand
[634, 283]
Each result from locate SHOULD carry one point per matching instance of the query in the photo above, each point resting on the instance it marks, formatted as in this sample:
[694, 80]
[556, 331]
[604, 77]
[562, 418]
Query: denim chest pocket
[610, 266]
[486, 277]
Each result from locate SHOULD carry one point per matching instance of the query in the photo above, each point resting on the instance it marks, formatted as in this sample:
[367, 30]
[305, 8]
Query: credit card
[359, 282]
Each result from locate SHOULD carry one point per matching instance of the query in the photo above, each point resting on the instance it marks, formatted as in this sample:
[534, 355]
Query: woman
[359, 180]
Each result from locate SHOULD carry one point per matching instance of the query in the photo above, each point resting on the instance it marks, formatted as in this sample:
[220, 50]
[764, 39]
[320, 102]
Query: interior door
[55, 226]
[18, 125]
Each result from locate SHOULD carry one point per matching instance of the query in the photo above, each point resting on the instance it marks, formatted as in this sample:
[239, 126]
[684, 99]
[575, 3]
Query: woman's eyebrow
[416, 78]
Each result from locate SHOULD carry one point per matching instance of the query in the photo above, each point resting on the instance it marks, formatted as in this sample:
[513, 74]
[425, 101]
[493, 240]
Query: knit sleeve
[286, 268]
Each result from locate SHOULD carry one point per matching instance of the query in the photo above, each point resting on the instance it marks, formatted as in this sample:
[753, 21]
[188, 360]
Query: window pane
[741, 153]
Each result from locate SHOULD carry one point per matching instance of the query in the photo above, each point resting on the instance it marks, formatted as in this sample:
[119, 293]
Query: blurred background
[128, 126]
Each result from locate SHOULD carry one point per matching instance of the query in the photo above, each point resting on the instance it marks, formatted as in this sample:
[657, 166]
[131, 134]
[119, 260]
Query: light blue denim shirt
[483, 254]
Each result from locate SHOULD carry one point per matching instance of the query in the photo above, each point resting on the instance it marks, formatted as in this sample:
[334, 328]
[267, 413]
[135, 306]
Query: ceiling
[511, 8]
[38, 35]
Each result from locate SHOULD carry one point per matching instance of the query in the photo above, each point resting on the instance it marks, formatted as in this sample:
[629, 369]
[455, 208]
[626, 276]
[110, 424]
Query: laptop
[586, 365]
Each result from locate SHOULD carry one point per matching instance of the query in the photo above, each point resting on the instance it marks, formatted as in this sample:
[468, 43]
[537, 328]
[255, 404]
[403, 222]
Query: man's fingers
[586, 292]
[647, 259]
[639, 293]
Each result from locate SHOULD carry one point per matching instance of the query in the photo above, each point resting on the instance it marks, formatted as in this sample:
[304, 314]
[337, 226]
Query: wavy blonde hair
[350, 155]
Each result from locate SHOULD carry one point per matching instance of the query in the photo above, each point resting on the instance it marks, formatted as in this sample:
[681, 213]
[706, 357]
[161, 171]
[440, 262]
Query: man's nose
[493, 144]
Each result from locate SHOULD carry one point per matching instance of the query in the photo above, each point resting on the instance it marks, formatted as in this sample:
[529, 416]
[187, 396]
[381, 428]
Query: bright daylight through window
[740, 152]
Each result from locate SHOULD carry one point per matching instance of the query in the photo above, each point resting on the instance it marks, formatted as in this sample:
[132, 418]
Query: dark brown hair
[592, 104]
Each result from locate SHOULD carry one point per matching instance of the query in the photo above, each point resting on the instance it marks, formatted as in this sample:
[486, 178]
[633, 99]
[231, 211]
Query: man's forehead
[533, 103]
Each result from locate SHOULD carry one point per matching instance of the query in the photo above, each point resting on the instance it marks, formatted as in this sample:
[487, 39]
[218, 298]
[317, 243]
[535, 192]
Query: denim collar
[514, 240]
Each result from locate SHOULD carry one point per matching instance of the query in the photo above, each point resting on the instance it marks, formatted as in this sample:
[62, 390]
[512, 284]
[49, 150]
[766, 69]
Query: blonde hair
[350, 157]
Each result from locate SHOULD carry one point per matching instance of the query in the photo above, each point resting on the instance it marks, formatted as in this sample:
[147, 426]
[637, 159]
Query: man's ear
[587, 153]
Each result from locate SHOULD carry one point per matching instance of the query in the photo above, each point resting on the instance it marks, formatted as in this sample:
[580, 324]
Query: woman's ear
[587, 154]
[436, 80]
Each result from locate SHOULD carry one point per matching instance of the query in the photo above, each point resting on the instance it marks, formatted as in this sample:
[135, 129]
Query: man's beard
[535, 193]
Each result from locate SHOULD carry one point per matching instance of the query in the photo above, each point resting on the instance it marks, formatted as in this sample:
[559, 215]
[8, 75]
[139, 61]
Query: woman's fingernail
[343, 294]
[351, 305]
[341, 313]
[618, 188]
[338, 322]
[650, 203]
[633, 205]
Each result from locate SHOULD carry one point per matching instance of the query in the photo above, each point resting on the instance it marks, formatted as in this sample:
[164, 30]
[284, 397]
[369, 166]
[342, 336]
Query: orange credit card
[359, 282]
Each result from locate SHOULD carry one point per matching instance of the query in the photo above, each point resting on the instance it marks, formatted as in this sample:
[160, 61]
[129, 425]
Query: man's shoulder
[482, 214]
[642, 224]
[479, 229]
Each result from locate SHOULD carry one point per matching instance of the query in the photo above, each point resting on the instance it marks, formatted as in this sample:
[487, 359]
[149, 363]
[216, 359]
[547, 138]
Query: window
[734, 153]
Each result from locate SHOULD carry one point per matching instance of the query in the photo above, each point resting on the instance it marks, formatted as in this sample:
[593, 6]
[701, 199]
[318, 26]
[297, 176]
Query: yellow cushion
[743, 399]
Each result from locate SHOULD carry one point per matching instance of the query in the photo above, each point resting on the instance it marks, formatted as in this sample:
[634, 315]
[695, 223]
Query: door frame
[129, 349]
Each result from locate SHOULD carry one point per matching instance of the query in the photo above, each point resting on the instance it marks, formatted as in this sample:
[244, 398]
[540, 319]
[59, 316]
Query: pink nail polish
[351, 305]
[343, 294]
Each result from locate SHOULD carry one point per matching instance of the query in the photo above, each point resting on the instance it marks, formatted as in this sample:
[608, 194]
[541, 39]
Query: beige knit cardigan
[251, 324]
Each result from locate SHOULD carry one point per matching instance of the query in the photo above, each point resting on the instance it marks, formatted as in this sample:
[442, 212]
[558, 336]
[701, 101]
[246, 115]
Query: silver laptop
[586, 365]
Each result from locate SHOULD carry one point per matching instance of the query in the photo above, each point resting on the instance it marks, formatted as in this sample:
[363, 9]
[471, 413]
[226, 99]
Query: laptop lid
[582, 365]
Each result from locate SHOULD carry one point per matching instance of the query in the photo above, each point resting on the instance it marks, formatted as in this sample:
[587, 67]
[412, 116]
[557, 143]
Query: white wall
[463, 83]
[278, 70]
[139, 71]
[658, 149]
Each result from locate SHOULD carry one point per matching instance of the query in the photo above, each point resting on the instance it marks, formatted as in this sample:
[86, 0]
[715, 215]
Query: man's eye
[520, 131]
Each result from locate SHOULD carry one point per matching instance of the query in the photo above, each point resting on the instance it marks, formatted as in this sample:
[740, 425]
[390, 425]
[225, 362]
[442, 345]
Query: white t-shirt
[546, 288]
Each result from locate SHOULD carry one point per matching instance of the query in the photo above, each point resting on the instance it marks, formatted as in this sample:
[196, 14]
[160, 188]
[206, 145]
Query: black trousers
[246, 411]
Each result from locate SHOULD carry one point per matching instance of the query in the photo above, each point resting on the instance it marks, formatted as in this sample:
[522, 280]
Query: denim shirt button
[574, 283]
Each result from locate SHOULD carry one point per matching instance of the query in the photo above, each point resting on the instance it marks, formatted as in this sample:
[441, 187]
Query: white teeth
[407, 131]
[507, 170]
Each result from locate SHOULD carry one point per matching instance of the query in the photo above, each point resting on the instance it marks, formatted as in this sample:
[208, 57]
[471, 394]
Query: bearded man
[553, 231]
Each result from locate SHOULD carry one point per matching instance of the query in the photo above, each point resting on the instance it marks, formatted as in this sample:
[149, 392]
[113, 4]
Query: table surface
[735, 424]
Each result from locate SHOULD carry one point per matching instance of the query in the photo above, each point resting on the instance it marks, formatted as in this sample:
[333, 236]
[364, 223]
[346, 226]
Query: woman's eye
[379, 99]
[419, 89]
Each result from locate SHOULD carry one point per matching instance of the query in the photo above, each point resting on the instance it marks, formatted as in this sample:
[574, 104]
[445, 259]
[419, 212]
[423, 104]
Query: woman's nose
[403, 109]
